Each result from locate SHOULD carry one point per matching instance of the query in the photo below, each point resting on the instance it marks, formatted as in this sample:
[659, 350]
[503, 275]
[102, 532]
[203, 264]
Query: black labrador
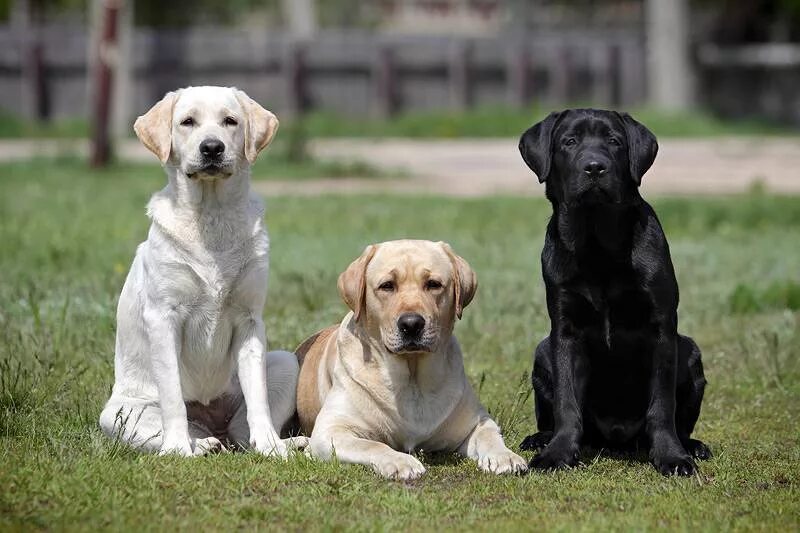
[614, 372]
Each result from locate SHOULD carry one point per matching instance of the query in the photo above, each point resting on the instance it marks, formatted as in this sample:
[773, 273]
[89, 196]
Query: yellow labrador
[390, 378]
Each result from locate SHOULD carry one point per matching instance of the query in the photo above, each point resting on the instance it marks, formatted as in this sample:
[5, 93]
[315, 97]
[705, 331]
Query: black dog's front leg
[666, 451]
[570, 372]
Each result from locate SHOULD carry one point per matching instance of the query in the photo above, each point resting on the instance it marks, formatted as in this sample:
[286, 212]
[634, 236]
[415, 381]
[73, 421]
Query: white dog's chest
[211, 307]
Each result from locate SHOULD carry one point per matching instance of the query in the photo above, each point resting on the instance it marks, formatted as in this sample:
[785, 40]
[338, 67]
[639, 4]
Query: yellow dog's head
[408, 293]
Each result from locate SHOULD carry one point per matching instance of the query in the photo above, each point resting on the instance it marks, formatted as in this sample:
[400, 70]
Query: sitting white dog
[191, 367]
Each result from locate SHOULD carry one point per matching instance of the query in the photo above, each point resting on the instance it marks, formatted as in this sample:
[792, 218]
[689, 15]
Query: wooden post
[295, 76]
[384, 79]
[561, 77]
[101, 108]
[518, 75]
[460, 75]
[26, 19]
[669, 71]
[602, 77]
[615, 74]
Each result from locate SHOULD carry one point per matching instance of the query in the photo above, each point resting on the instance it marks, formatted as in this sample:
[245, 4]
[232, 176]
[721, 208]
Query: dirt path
[478, 167]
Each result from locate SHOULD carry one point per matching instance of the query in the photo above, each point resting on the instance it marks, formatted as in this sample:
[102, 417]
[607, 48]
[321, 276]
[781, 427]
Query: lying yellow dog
[390, 378]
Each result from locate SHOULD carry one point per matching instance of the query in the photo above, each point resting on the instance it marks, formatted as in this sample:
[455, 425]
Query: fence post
[295, 74]
[106, 58]
[384, 80]
[560, 77]
[26, 18]
[518, 75]
[460, 75]
[615, 74]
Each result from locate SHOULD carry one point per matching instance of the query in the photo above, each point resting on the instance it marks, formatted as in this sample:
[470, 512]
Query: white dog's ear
[154, 128]
[465, 281]
[353, 282]
[261, 126]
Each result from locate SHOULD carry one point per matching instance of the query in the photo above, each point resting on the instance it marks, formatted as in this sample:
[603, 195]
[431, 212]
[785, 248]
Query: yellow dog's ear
[260, 128]
[465, 281]
[154, 128]
[353, 282]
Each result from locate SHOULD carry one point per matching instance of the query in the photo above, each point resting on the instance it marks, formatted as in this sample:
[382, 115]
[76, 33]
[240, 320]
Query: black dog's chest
[613, 310]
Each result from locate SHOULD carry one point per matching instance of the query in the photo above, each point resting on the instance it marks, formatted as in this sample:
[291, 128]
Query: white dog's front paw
[399, 466]
[180, 447]
[274, 446]
[502, 462]
[208, 446]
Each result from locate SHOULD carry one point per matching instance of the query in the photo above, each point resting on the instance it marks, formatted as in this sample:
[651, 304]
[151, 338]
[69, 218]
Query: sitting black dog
[614, 372]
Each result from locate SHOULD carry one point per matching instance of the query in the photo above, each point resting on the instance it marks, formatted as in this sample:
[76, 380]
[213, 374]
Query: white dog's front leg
[164, 332]
[485, 445]
[250, 351]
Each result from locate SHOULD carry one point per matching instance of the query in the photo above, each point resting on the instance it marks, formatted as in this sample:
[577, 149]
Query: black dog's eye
[230, 121]
[613, 141]
[188, 122]
[571, 141]
[433, 284]
[386, 286]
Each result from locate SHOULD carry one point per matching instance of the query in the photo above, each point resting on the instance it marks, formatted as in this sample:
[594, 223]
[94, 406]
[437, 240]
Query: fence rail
[356, 73]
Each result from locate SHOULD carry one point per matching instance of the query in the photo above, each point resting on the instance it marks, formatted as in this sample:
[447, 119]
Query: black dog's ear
[642, 147]
[535, 145]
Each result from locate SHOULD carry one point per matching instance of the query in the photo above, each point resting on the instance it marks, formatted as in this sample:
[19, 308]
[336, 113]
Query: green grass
[268, 167]
[13, 127]
[510, 122]
[486, 121]
[67, 239]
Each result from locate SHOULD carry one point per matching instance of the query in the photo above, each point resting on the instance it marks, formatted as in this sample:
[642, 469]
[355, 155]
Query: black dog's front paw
[537, 441]
[553, 458]
[698, 449]
[675, 465]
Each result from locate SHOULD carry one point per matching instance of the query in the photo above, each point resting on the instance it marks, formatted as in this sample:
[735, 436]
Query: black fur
[614, 372]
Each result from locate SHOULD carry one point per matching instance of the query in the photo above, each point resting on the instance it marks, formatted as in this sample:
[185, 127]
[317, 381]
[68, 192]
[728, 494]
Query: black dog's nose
[594, 169]
[410, 324]
[212, 148]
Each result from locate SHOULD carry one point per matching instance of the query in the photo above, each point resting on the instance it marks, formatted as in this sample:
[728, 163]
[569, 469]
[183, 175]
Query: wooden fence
[351, 73]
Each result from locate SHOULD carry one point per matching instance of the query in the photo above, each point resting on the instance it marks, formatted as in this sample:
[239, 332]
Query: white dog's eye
[433, 284]
[230, 121]
[386, 286]
[188, 122]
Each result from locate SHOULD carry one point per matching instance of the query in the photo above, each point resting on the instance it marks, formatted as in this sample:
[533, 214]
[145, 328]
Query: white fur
[189, 320]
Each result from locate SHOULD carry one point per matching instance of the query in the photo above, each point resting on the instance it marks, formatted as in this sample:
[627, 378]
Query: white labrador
[191, 368]
[390, 378]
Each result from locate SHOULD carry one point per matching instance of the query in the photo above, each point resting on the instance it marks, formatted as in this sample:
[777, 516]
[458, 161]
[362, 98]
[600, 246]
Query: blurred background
[408, 69]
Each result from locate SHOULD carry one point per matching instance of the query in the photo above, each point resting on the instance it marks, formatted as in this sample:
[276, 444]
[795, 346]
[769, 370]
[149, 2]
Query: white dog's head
[207, 132]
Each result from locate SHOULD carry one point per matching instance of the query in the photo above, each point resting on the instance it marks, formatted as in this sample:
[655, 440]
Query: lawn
[67, 239]
[483, 121]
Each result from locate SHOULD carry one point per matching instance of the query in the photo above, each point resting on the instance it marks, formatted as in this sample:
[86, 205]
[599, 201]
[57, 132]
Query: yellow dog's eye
[230, 121]
[188, 122]
[432, 284]
[386, 286]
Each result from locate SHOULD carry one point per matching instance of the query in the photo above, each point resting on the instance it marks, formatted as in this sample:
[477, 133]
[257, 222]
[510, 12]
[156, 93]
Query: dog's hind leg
[133, 421]
[282, 373]
[138, 424]
[689, 396]
[542, 381]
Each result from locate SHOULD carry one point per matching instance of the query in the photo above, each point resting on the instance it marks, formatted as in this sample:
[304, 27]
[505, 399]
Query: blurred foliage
[778, 295]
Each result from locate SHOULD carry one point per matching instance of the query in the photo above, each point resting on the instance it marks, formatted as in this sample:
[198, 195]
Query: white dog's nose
[212, 148]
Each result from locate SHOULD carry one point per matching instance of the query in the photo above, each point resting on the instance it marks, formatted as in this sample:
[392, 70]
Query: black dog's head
[589, 156]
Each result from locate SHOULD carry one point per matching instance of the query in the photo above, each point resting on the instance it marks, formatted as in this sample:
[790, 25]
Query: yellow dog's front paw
[398, 466]
[502, 462]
